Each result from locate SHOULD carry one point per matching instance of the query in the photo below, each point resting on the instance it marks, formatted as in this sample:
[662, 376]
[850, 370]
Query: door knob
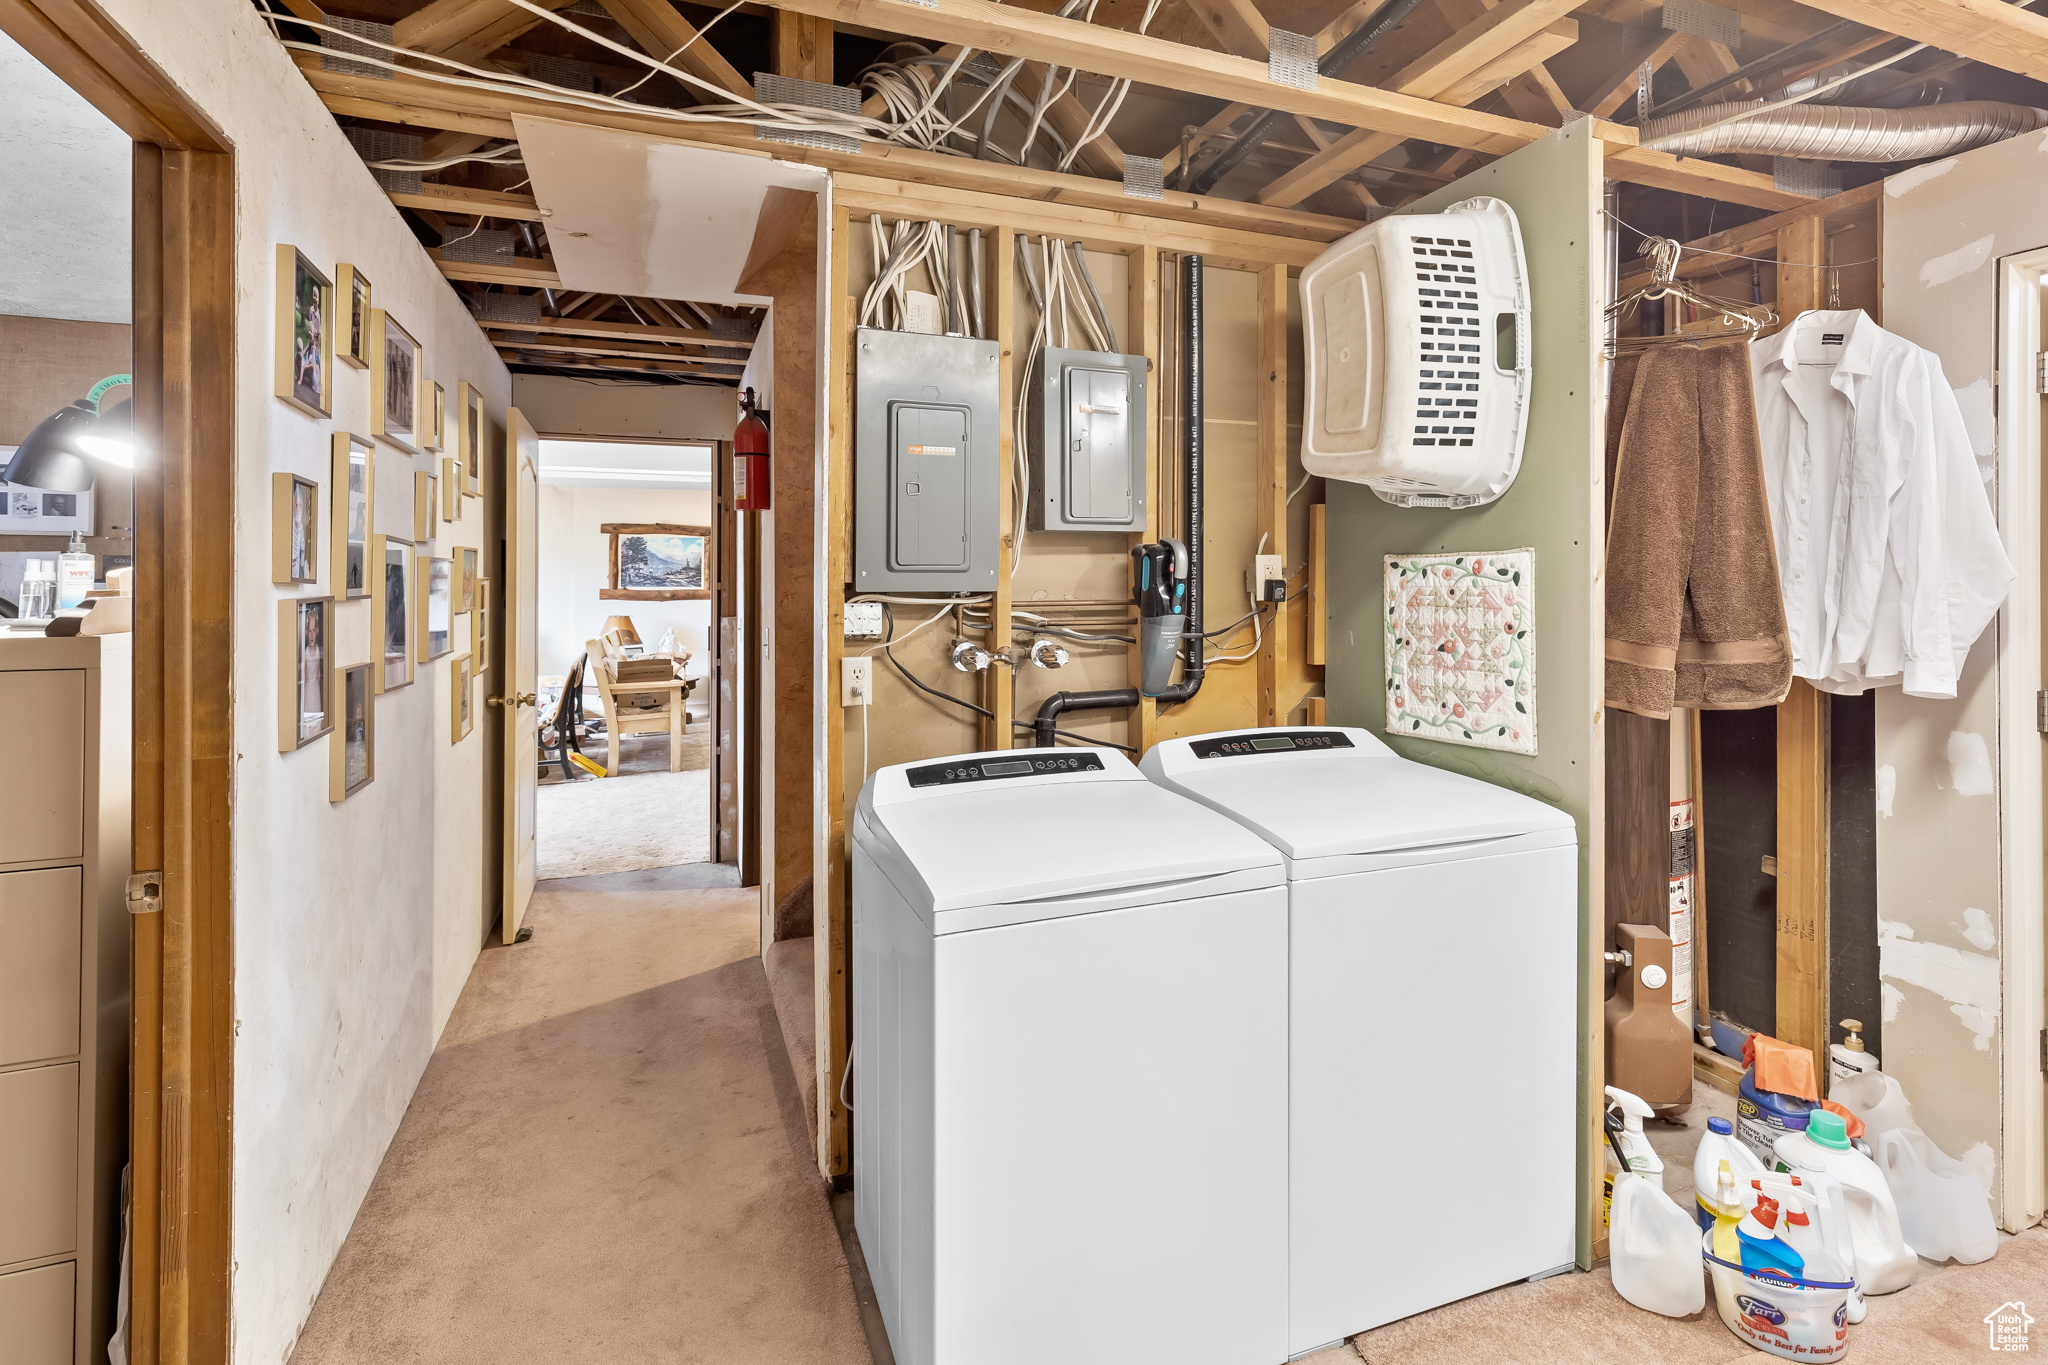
[516, 699]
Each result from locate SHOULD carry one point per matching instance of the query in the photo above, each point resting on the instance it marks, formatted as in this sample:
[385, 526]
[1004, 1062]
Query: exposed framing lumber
[523, 271]
[467, 30]
[1237, 25]
[999, 684]
[1994, 32]
[1609, 96]
[512, 356]
[1270, 479]
[1761, 237]
[617, 348]
[617, 331]
[1498, 32]
[1142, 326]
[663, 33]
[798, 45]
[461, 199]
[831, 885]
[1802, 880]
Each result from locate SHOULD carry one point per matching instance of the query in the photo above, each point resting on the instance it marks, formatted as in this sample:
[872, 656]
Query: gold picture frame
[352, 293]
[305, 671]
[395, 389]
[469, 436]
[436, 434]
[422, 507]
[305, 333]
[462, 700]
[451, 488]
[656, 562]
[481, 626]
[432, 584]
[465, 578]
[391, 613]
[294, 530]
[352, 505]
[352, 748]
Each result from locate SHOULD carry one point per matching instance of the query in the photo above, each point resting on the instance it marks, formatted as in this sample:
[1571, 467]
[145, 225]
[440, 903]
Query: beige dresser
[64, 992]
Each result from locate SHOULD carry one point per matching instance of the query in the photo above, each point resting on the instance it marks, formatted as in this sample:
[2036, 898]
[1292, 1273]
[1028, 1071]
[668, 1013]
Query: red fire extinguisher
[750, 483]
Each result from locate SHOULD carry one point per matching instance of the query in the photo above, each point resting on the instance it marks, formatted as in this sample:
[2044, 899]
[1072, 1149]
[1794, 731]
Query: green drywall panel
[1554, 506]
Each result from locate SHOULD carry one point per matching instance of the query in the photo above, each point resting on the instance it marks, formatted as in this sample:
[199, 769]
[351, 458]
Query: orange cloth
[1780, 1067]
[1853, 1124]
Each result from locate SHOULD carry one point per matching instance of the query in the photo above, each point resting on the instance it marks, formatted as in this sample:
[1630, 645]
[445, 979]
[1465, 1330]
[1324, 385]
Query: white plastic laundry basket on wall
[1417, 332]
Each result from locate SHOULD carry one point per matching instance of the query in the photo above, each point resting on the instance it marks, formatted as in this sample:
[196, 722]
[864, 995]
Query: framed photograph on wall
[465, 578]
[305, 671]
[434, 630]
[391, 612]
[294, 529]
[462, 707]
[40, 511]
[422, 507]
[655, 562]
[394, 382]
[305, 333]
[352, 751]
[355, 476]
[451, 488]
[352, 287]
[469, 436]
[434, 436]
[481, 630]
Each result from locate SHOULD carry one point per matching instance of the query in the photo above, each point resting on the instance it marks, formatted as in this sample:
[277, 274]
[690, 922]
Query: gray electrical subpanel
[927, 463]
[1088, 442]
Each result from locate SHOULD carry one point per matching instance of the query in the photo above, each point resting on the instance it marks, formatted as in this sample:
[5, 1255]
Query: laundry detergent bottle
[1720, 1146]
[1884, 1263]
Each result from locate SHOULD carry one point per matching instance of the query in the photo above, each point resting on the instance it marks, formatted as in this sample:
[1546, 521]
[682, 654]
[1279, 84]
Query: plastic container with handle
[1884, 1261]
[1653, 1251]
[1943, 1210]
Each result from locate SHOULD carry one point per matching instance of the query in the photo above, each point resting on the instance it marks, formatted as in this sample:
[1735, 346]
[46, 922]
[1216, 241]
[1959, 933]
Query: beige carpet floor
[646, 816]
[605, 1161]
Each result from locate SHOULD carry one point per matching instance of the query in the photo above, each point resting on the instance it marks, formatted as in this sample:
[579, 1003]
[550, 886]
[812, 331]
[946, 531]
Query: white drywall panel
[64, 202]
[599, 407]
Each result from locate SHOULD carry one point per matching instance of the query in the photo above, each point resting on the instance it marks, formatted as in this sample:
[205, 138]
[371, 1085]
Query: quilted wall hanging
[1461, 648]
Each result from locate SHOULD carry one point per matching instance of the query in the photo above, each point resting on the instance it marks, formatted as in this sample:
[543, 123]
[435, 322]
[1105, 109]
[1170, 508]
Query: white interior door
[522, 737]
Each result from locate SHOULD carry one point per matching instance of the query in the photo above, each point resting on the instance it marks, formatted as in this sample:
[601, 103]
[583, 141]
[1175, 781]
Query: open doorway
[627, 555]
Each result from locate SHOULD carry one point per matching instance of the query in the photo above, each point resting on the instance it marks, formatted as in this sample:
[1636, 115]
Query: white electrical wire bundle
[1069, 291]
[897, 253]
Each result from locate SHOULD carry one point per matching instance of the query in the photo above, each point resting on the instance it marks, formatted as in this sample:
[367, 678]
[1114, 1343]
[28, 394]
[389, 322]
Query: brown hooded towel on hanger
[1694, 615]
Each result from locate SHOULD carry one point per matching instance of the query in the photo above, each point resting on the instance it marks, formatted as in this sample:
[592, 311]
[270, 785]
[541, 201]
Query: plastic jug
[1876, 1099]
[1822, 1241]
[1943, 1210]
[1642, 1158]
[1654, 1251]
[1884, 1262]
[1717, 1146]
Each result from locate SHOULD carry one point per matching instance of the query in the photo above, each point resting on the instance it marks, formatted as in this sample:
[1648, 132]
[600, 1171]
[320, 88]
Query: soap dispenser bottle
[1847, 1058]
[74, 573]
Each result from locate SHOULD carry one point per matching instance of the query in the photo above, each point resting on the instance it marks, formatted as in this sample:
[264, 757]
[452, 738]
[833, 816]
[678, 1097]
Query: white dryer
[1070, 1066]
[1432, 1084]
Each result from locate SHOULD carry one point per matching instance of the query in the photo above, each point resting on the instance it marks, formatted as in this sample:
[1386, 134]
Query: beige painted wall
[575, 562]
[1939, 900]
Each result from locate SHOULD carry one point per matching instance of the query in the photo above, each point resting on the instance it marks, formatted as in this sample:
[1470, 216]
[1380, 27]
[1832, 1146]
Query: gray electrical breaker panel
[1088, 442]
[927, 461]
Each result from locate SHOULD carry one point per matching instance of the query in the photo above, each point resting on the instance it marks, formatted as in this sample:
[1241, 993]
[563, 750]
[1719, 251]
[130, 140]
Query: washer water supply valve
[1046, 654]
[970, 657]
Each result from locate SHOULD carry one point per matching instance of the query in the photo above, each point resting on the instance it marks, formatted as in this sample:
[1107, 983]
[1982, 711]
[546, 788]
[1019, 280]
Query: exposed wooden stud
[617, 348]
[831, 886]
[1802, 885]
[1069, 117]
[1617, 90]
[1318, 590]
[1994, 32]
[1761, 237]
[1236, 24]
[800, 46]
[462, 199]
[467, 30]
[512, 355]
[999, 683]
[522, 271]
[1141, 722]
[616, 331]
[1270, 477]
[446, 144]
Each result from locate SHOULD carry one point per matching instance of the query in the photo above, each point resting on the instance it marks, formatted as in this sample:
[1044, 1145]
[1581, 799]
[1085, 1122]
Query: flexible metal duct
[1837, 134]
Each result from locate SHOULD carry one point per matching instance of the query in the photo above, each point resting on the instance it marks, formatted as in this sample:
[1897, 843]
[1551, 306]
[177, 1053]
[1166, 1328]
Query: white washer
[1433, 1001]
[1070, 1066]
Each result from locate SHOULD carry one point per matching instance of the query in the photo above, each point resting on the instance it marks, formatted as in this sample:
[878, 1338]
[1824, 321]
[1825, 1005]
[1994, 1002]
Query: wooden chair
[622, 717]
[566, 723]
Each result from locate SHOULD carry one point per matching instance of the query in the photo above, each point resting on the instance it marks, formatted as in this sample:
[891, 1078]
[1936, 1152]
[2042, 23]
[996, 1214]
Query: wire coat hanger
[1745, 320]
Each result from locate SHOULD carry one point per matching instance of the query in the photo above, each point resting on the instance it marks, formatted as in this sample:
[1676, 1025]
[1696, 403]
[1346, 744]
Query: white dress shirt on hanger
[1888, 552]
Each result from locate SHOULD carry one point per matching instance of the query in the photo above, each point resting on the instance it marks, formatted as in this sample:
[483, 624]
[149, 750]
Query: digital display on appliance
[1266, 742]
[1041, 763]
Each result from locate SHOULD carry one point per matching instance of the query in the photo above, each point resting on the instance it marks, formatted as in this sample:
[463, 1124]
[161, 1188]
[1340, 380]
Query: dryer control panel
[1029, 763]
[1267, 742]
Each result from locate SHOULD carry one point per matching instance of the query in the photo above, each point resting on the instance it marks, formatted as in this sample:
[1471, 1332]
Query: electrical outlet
[857, 681]
[863, 621]
[1264, 575]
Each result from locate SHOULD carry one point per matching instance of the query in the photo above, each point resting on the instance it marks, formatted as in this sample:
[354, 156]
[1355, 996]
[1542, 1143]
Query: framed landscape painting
[656, 562]
[305, 333]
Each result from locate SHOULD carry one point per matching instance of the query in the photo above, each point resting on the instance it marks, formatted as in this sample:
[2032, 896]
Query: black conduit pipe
[1355, 45]
[1047, 720]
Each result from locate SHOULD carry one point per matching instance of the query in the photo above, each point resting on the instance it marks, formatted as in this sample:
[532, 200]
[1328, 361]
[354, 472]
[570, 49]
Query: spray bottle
[1763, 1250]
[1630, 1110]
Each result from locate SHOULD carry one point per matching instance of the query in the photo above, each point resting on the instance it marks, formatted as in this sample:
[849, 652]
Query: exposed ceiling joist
[522, 271]
[467, 30]
[1236, 24]
[665, 35]
[541, 340]
[1614, 92]
[479, 203]
[1504, 29]
[619, 331]
[617, 366]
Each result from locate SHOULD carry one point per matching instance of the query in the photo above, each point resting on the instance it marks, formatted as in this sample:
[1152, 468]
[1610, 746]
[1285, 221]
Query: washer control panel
[1267, 742]
[1029, 763]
